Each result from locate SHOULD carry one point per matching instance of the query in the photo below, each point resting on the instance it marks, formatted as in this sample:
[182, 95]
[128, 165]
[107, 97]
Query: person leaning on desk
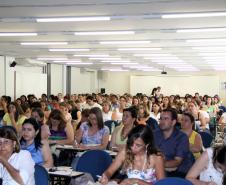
[16, 166]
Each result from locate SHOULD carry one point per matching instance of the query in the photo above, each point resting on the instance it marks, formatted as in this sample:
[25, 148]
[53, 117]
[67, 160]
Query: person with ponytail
[31, 141]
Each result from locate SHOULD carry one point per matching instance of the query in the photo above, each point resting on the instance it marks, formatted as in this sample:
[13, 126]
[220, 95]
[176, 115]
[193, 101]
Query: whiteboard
[30, 83]
[181, 85]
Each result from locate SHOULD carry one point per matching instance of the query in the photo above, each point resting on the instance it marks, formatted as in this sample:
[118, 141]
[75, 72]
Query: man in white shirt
[90, 103]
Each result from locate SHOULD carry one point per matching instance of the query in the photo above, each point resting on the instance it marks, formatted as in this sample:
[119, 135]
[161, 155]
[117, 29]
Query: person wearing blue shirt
[31, 141]
[174, 144]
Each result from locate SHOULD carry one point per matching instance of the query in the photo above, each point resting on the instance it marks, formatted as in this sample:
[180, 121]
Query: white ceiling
[141, 16]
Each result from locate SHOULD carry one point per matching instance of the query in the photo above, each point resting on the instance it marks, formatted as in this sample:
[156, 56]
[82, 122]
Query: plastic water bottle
[112, 127]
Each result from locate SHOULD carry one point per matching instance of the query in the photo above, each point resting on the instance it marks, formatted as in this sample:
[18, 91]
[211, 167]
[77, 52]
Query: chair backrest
[173, 181]
[111, 124]
[152, 123]
[94, 162]
[207, 139]
[41, 175]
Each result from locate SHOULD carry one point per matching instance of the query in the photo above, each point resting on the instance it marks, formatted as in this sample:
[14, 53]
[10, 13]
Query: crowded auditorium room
[113, 92]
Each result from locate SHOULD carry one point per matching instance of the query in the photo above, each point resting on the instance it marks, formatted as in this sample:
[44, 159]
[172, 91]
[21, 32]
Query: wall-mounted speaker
[13, 64]
[102, 90]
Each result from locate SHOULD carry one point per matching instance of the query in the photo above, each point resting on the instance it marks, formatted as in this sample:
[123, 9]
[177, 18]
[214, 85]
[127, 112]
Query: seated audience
[65, 111]
[90, 103]
[13, 117]
[210, 167]
[222, 121]
[120, 134]
[31, 141]
[173, 143]
[93, 134]
[156, 110]
[195, 140]
[61, 131]
[117, 112]
[136, 101]
[38, 114]
[16, 166]
[142, 115]
[201, 117]
[106, 112]
[140, 160]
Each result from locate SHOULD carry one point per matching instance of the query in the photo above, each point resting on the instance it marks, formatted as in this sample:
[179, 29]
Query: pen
[98, 176]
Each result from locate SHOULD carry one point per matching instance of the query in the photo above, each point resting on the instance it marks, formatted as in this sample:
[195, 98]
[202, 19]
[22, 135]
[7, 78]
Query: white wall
[28, 79]
[57, 79]
[115, 82]
[83, 81]
[2, 76]
[31, 83]
[175, 85]
[9, 77]
[119, 82]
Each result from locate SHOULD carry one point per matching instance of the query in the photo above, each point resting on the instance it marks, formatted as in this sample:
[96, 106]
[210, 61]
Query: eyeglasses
[5, 142]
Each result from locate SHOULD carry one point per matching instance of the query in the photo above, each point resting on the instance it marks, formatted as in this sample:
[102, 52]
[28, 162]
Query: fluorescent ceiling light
[153, 55]
[215, 61]
[106, 33]
[167, 61]
[212, 54]
[126, 42]
[92, 55]
[79, 63]
[149, 69]
[205, 40]
[171, 63]
[69, 49]
[17, 34]
[103, 58]
[200, 30]
[139, 67]
[113, 69]
[65, 61]
[192, 15]
[114, 61]
[118, 70]
[43, 43]
[139, 49]
[210, 48]
[122, 63]
[215, 58]
[185, 69]
[73, 19]
[161, 58]
[51, 58]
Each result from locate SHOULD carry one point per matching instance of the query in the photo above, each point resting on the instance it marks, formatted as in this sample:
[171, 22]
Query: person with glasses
[139, 160]
[16, 166]
[210, 167]
[174, 144]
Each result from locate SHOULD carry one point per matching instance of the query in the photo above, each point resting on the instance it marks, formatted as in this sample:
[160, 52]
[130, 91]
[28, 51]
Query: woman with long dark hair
[93, 134]
[31, 141]
[61, 131]
[140, 160]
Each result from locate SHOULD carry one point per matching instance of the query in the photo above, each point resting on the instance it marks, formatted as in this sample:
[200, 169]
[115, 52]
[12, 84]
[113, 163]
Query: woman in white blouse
[16, 166]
